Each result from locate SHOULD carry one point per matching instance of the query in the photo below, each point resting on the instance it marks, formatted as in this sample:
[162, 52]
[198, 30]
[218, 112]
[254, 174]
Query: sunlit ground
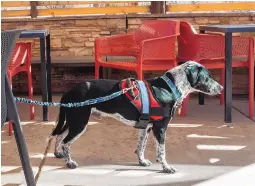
[201, 146]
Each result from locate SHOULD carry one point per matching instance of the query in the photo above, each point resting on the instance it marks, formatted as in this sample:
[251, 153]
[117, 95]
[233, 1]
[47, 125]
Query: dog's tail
[60, 123]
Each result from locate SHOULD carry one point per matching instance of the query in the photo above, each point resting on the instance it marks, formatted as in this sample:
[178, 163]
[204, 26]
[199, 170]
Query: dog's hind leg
[58, 150]
[142, 141]
[66, 143]
[160, 135]
[77, 120]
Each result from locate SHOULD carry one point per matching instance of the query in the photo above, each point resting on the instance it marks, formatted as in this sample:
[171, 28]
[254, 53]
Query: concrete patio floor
[199, 145]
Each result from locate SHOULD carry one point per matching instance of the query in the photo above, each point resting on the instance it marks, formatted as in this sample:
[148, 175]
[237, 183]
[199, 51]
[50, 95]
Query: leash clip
[130, 88]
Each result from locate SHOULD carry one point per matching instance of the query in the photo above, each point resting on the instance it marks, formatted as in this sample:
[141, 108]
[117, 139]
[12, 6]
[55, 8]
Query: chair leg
[10, 128]
[97, 71]
[30, 91]
[222, 82]
[251, 80]
[12, 115]
[251, 93]
[184, 106]
[140, 75]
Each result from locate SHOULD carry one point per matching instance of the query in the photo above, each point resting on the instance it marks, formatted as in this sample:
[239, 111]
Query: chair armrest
[118, 45]
[211, 33]
[162, 48]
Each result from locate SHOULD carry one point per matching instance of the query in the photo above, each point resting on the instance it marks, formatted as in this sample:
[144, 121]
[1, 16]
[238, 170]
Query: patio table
[44, 36]
[228, 30]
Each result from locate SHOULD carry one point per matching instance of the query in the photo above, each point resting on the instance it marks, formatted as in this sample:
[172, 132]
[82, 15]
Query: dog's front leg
[157, 150]
[142, 141]
[160, 135]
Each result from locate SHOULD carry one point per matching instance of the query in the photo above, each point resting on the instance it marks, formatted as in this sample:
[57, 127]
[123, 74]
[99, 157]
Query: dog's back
[81, 92]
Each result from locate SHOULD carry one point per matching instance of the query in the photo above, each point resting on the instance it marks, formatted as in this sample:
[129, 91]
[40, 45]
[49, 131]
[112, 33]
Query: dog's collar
[175, 91]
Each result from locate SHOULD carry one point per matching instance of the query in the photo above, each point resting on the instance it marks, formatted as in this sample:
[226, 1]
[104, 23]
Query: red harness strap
[153, 102]
[137, 102]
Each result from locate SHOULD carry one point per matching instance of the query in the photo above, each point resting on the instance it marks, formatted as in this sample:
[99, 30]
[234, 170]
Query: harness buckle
[143, 121]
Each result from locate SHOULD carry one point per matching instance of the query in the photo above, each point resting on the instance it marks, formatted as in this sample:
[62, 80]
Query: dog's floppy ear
[192, 72]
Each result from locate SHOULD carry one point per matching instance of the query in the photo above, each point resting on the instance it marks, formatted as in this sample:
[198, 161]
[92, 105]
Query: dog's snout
[220, 88]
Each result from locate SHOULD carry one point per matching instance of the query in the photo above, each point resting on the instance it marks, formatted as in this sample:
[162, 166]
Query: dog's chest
[134, 96]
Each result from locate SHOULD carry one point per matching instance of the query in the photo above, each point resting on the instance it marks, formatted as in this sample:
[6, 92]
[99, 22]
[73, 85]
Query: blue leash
[78, 104]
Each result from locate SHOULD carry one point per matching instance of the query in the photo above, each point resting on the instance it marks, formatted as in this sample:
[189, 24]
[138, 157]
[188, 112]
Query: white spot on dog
[116, 116]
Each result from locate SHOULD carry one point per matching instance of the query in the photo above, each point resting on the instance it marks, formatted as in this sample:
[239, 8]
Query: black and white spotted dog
[72, 122]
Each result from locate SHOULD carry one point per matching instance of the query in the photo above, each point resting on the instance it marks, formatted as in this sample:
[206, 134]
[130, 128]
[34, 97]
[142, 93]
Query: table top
[34, 33]
[229, 28]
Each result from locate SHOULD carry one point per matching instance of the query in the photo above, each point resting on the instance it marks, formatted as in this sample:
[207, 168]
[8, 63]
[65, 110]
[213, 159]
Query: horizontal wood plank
[15, 13]
[211, 7]
[6, 4]
[98, 10]
[45, 3]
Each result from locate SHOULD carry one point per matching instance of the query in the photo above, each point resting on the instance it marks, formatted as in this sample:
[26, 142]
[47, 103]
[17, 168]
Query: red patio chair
[153, 46]
[21, 62]
[209, 50]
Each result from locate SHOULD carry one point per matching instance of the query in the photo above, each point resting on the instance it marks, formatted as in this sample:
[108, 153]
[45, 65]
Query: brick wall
[70, 37]
[75, 37]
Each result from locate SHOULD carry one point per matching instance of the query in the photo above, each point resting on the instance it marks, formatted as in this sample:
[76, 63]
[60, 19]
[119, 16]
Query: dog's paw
[169, 170]
[58, 154]
[145, 163]
[71, 164]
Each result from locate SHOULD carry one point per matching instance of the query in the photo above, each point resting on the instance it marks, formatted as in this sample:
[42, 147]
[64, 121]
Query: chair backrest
[240, 45]
[187, 45]
[187, 28]
[187, 32]
[157, 28]
[20, 55]
[8, 41]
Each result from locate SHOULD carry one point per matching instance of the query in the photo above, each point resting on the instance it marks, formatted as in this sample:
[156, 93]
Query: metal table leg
[201, 97]
[48, 67]
[44, 78]
[228, 78]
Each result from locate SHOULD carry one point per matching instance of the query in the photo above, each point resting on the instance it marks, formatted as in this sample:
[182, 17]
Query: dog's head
[200, 79]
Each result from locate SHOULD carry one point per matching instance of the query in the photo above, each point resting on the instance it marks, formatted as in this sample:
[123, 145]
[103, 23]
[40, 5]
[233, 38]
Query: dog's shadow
[141, 168]
[126, 167]
[149, 170]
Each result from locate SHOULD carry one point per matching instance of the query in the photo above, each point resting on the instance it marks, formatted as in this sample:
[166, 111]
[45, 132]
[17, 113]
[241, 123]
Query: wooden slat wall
[211, 7]
[113, 7]
[94, 10]
[109, 8]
